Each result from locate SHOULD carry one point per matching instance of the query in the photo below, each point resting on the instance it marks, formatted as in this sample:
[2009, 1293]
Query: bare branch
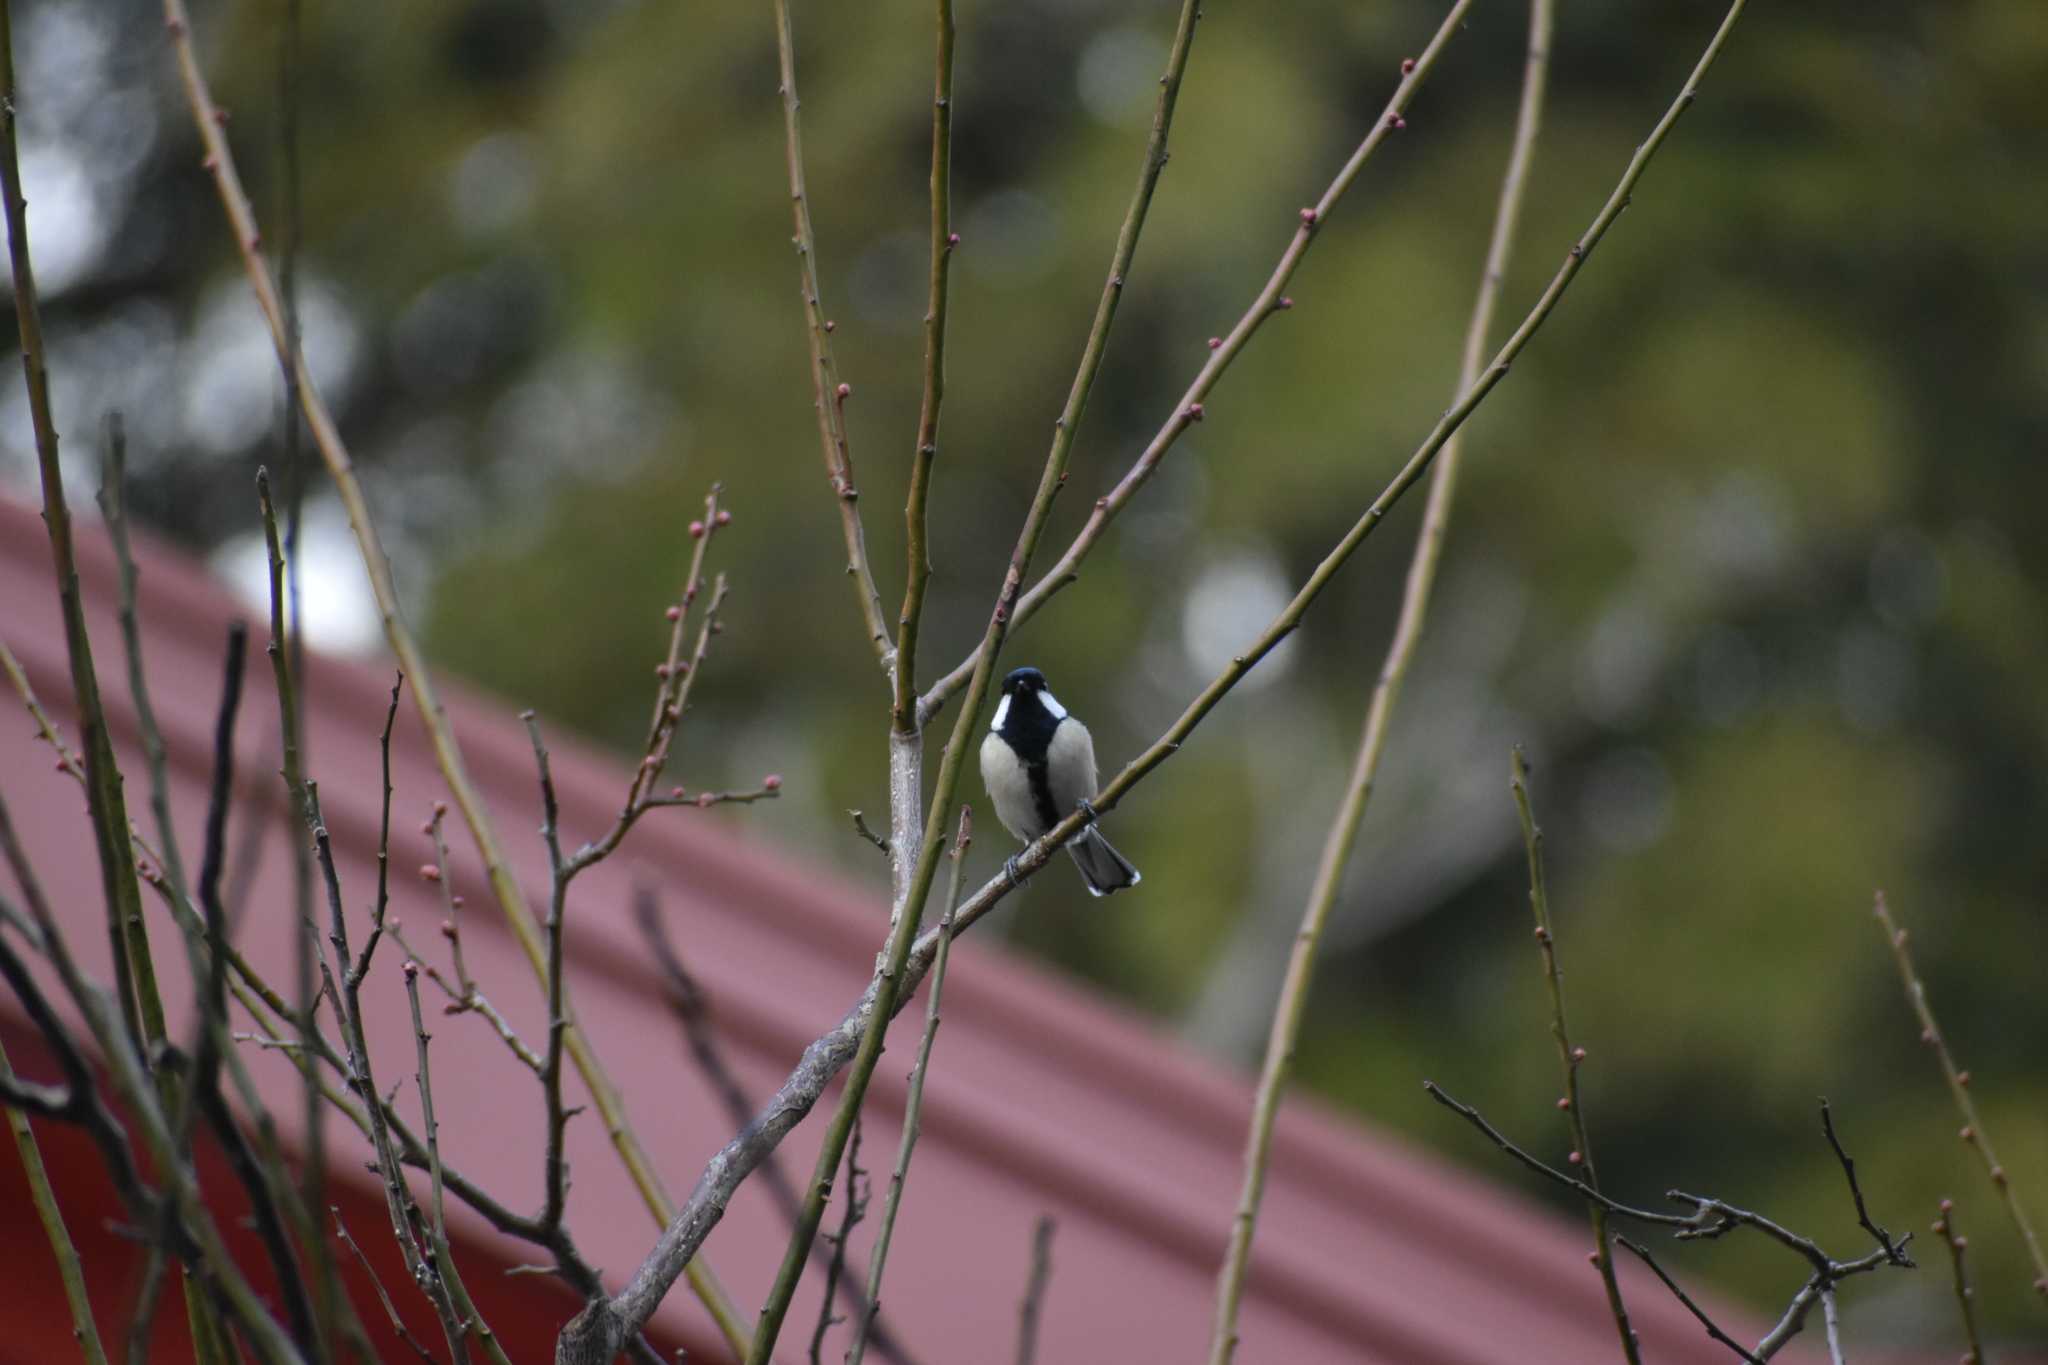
[1033, 1304]
[1223, 350]
[412, 661]
[83, 1329]
[913, 1103]
[1959, 1086]
[828, 393]
[1343, 833]
[858, 1192]
[383, 1295]
[1569, 1057]
[1713, 1331]
[919, 572]
[1966, 1297]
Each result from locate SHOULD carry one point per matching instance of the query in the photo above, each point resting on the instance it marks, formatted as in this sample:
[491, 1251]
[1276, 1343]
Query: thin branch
[1033, 1304]
[1966, 1297]
[383, 1295]
[612, 1321]
[1834, 1324]
[1827, 1126]
[1343, 834]
[113, 500]
[51, 1217]
[686, 999]
[858, 1192]
[1271, 299]
[1959, 1086]
[916, 546]
[398, 1201]
[913, 1104]
[555, 1166]
[443, 1255]
[1643, 1254]
[1579, 1187]
[1569, 1057]
[135, 974]
[1096, 345]
[860, 827]
[412, 661]
[828, 394]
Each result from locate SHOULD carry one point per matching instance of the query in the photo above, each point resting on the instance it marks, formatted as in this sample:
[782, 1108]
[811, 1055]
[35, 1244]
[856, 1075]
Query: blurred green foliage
[1747, 552]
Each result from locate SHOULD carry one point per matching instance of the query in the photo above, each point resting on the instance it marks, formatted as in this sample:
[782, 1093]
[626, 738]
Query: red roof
[1043, 1096]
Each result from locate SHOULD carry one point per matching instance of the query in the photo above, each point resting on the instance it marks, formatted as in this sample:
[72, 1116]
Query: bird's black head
[1023, 680]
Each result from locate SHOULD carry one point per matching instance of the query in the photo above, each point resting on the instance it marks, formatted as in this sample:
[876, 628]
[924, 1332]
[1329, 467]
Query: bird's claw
[1010, 872]
[1088, 809]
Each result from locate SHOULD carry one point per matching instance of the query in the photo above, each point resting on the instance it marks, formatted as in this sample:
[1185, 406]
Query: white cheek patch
[1052, 706]
[1002, 713]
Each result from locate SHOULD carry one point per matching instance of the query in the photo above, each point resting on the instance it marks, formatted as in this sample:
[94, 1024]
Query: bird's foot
[1088, 809]
[1010, 872]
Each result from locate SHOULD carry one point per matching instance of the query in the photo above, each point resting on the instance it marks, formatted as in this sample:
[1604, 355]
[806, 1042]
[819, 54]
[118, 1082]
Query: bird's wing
[1070, 761]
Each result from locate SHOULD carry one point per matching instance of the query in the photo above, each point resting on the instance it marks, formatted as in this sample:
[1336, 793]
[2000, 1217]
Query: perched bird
[1038, 764]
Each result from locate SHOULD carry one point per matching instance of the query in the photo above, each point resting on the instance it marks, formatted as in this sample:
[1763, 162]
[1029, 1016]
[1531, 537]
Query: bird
[1038, 763]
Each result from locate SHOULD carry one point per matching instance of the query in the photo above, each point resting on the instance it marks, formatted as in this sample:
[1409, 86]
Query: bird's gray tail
[1102, 867]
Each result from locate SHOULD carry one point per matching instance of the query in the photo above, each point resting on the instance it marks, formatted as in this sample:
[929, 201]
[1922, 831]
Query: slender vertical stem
[1959, 1086]
[1415, 601]
[1568, 1056]
[1966, 1298]
[913, 1104]
[827, 392]
[1032, 1308]
[1096, 346]
[52, 1218]
[919, 568]
[113, 500]
[135, 974]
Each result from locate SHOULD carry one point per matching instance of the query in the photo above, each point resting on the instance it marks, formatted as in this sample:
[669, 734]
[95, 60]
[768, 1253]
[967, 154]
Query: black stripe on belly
[1041, 794]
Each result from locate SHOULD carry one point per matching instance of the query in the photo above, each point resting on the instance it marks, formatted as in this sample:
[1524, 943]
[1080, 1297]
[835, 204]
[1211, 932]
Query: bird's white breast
[1009, 788]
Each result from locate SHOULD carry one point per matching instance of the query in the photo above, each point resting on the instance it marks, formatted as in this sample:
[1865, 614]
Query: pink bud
[1574, 1159]
[772, 782]
[674, 613]
[1947, 1205]
[696, 530]
[952, 239]
[1578, 1054]
[675, 793]
[1407, 65]
[704, 800]
[1308, 217]
[1194, 412]
[448, 928]
[412, 970]
[1286, 302]
[429, 872]
[830, 325]
[661, 670]
[846, 390]
[1968, 1134]
[1215, 342]
[724, 518]
[1963, 1078]
[456, 900]
[1395, 121]
[440, 808]
[1593, 1258]
[1564, 1101]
